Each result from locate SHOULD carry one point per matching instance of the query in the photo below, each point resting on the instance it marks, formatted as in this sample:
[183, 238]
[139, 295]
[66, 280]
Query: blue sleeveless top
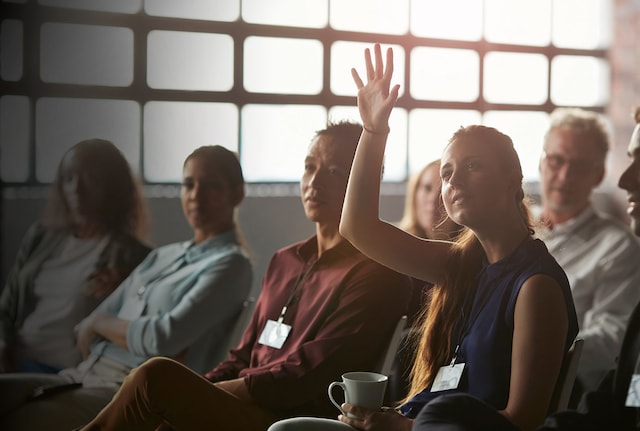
[487, 332]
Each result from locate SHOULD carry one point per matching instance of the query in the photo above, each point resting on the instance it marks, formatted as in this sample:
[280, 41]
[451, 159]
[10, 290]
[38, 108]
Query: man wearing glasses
[598, 253]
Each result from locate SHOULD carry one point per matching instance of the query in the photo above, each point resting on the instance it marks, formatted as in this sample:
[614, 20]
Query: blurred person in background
[598, 253]
[88, 241]
[180, 302]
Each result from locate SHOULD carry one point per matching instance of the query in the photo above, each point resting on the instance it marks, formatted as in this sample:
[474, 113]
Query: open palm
[375, 100]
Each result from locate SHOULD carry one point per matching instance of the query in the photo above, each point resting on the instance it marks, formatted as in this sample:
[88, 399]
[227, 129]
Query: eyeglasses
[555, 162]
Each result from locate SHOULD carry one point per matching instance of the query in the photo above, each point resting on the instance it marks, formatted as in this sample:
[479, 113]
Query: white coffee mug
[362, 389]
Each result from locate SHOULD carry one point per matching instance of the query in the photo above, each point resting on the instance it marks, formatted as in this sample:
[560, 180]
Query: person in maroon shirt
[324, 309]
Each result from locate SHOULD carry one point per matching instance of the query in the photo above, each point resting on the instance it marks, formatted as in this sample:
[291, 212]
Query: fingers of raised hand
[356, 78]
[379, 65]
[371, 73]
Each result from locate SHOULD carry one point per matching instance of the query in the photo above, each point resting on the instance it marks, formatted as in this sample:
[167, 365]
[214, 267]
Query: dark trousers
[460, 412]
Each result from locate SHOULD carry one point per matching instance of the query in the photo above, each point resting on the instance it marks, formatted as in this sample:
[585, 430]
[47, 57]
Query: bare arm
[540, 329]
[360, 222]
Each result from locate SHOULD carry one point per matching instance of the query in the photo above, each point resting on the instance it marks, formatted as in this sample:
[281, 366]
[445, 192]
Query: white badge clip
[274, 334]
[633, 395]
[449, 376]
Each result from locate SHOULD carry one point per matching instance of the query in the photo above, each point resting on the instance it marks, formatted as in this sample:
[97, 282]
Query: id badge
[131, 309]
[633, 396]
[274, 334]
[448, 377]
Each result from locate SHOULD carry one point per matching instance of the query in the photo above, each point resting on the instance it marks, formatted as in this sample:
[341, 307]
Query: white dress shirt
[602, 260]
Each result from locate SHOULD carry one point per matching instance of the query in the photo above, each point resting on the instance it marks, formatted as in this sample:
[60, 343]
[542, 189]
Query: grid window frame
[30, 84]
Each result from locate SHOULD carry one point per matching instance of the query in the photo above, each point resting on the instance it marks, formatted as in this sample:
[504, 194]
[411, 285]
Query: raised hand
[375, 100]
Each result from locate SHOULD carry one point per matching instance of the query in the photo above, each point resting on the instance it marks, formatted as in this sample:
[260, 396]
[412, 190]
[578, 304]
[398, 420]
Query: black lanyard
[301, 278]
[466, 325]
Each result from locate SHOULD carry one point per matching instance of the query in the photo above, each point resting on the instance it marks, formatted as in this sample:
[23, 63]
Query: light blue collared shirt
[192, 294]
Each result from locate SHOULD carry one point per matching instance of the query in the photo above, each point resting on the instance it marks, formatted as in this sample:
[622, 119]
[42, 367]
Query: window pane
[381, 16]
[444, 74]
[526, 130]
[11, 46]
[395, 156]
[14, 138]
[294, 13]
[580, 81]
[275, 139]
[345, 55]
[451, 19]
[190, 61]
[430, 131]
[172, 130]
[86, 54]
[280, 65]
[592, 30]
[61, 123]
[523, 22]
[516, 78]
[121, 6]
[227, 10]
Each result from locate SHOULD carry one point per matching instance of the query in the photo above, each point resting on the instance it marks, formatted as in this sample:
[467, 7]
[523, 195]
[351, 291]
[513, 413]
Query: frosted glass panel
[121, 6]
[86, 54]
[293, 13]
[370, 16]
[214, 10]
[430, 131]
[190, 61]
[173, 129]
[11, 47]
[580, 81]
[527, 130]
[444, 74]
[61, 123]
[522, 22]
[281, 65]
[345, 55]
[14, 138]
[451, 19]
[395, 156]
[516, 78]
[593, 29]
[275, 139]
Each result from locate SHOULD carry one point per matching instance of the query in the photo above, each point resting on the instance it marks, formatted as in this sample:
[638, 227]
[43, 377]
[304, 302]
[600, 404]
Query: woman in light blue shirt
[180, 302]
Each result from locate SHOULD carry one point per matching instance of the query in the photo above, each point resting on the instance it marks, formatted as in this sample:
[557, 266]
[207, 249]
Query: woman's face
[208, 200]
[75, 184]
[476, 186]
[429, 211]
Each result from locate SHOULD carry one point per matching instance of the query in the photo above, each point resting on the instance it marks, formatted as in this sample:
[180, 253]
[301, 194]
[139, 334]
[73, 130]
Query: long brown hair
[117, 205]
[434, 347]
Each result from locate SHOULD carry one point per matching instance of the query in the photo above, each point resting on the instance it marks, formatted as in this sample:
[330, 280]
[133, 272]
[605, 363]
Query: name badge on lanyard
[275, 333]
[449, 376]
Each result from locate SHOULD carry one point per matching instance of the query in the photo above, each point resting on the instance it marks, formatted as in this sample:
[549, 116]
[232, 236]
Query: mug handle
[333, 385]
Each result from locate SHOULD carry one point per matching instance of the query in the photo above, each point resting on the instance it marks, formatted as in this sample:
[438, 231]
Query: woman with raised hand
[500, 317]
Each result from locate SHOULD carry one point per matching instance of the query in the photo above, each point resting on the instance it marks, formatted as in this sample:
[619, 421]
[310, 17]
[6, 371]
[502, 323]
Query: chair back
[386, 361]
[241, 323]
[566, 378]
